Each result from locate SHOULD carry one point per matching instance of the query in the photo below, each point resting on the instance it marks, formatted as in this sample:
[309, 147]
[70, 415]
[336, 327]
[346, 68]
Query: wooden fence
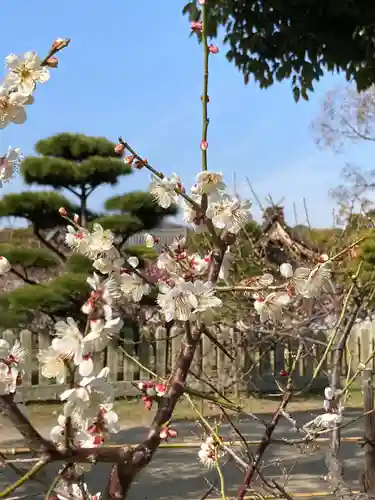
[251, 362]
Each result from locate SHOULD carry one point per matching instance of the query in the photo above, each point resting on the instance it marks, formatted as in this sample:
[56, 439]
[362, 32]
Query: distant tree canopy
[79, 165]
[274, 40]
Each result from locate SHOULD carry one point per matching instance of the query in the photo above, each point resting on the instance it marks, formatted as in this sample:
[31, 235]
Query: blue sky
[132, 70]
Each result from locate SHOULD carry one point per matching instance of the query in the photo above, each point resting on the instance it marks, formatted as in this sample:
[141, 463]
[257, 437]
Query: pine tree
[79, 165]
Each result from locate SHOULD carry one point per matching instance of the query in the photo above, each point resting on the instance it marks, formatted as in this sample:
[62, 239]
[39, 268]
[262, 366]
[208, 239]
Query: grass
[133, 414]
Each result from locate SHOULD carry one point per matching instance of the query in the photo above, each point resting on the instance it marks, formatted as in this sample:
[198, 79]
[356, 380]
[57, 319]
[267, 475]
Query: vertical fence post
[369, 432]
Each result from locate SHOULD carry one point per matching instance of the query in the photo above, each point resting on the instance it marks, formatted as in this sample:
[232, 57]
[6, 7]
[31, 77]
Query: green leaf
[296, 93]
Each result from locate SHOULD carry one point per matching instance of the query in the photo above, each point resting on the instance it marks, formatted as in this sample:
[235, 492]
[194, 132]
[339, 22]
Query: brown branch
[266, 438]
[126, 470]
[333, 461]
[124, 473]
[265, 442]
[51, 247]
[23, 277]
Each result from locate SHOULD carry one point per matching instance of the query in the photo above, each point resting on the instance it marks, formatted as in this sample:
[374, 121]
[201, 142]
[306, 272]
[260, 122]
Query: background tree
[273, 41]
[346, 115]
[78, 165]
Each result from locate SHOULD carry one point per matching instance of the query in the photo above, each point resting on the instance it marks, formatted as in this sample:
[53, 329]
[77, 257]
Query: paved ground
[176, 473]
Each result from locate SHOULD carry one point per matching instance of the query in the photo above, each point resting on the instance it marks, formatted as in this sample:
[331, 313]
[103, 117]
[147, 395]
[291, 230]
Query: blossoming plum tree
[187, 290]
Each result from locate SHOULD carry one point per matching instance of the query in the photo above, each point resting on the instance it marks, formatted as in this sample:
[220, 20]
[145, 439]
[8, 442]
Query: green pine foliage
[28, 257]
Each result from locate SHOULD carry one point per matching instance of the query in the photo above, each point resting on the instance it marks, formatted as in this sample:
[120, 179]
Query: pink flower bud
[204, 145]
[166, 432]
[129, 159]
[76, 218]
[63, 212]
[98, 440]
[160, 389]
[323, 258]
[140, 164]
[196, 26]
[52, 62]
[60, 43]
[119, 149]
[148, 402]
[213, 49]
[202, 2]
[180, 187]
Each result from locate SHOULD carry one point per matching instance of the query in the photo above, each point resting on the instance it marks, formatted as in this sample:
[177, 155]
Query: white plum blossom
[207, 453]
[107, 290]
[326, 421]
[167, 262]
[101, 241]
[53, 365]
[105, 264]
[200, 265]
[68, 345]
[204, 293]
[88, 394]
[270, 307]
[94, 244]
[101, 331]
[5, 266]
[57, 432]
[331, 399]
[208, 183]
[163, 190]
[229, 214]
[186, 298]
[109, 418]
[11, 358]
[68, 341]
[310, 283]
[131, 284]
[12, 107]
[286, 270]
[77, 239]
[178, 301]
[25, 72]
[9, 164]
[266, 279]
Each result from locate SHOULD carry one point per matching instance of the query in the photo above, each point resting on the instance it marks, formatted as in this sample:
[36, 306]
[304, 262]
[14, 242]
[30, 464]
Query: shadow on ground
[176, 473]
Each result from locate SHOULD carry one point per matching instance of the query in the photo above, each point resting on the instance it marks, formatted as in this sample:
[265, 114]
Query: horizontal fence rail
[247, 362]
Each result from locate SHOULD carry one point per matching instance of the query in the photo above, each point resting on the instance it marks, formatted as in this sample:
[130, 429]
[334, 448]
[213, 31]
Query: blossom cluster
[23, 73]
[225, 212]
[332, 416]
[304, 282]
[11, 359]
[183, 292]
[151, 391]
